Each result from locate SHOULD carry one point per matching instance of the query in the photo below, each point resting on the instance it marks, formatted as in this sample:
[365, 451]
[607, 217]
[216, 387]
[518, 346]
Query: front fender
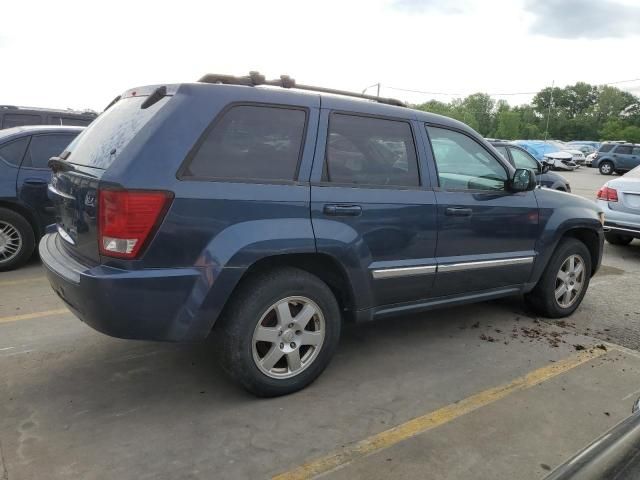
[560, 212]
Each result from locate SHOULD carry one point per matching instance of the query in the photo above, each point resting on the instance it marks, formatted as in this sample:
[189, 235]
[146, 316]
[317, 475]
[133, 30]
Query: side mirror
[523, 180]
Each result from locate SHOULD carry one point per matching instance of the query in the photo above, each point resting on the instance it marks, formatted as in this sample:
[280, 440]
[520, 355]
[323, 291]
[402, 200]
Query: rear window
[251, 142]
[606, 147]
[13, 151]
[100, 144]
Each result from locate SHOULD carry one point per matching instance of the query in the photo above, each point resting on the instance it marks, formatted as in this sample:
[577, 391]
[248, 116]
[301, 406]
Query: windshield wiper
[58, 164]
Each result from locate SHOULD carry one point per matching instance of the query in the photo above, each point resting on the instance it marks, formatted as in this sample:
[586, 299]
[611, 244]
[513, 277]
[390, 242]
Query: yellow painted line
[8, 283]
[434, 419]
[29, 316]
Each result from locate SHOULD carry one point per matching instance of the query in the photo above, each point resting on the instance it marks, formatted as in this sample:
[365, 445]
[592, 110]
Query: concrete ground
[486, 391]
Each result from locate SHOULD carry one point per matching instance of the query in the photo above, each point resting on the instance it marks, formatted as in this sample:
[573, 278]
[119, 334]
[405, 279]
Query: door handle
[35, 181]
[343, 210]
[458, 212]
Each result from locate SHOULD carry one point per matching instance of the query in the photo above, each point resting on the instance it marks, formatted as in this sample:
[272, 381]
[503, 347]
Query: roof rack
[285, 81]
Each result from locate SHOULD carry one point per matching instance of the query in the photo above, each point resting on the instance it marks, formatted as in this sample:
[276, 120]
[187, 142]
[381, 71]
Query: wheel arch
[591, 240]
[28, 215]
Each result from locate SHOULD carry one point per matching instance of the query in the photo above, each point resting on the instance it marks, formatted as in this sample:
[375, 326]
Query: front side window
[523, 160]
[606, 147]
[43, 147]
[370, 151]
[13, 151]
[623, 150]
[463, 164]
[251, 142]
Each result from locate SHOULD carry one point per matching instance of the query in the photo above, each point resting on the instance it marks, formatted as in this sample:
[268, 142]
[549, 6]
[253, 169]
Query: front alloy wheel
[10, 242]
[288, 337]
[569, 281]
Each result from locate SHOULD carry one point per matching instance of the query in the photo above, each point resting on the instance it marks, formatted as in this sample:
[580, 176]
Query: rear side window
[251, 142]
[370, 151]
[13, 151]
[606, 147]
[102, 141]
[69, 121]
[19, 119]
[623, 150]
[523, 160]
[503, 152]
[43, 147]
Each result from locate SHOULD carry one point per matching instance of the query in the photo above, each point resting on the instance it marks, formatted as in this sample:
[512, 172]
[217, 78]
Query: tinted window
[606, 147]
[523, 160]
[43, 147]
[623, 150]
[503, 152]
[370, 151]
[464, 164]
[636, 151]
[252, 142]
[12, 152]
[19, 119]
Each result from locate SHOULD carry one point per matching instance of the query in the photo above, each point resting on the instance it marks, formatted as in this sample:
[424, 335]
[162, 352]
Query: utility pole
[546, 130]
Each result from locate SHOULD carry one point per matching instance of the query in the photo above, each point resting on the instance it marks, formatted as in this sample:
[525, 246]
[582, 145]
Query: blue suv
[25, 209]
[266, 213]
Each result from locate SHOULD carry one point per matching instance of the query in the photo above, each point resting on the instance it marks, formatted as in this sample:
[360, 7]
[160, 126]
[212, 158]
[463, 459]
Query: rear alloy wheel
[606, 168]
[17, 240]
[616, 239]
[279, 331]
[564, 282]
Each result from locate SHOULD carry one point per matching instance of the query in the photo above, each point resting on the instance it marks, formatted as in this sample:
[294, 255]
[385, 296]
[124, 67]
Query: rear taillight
[127, 219]
[608, 194]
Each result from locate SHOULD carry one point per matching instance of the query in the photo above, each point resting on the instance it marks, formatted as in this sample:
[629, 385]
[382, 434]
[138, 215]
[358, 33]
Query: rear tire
[266, 323]
[561, 289]
[17, 240]
[606, 167]
[616, 239]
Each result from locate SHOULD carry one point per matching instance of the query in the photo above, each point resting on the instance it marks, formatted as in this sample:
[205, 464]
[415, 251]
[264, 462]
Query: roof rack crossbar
[285, 81]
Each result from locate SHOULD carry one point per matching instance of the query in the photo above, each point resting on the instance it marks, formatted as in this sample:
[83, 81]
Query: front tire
[564, 282]
[616, 239]
[17, 240]
[279, 332]
[606, 168]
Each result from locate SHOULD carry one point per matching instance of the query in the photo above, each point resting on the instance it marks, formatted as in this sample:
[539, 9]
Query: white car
[562, 160]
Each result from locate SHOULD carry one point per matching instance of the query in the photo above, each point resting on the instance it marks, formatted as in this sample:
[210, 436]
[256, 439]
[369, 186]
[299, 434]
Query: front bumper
[148, 304]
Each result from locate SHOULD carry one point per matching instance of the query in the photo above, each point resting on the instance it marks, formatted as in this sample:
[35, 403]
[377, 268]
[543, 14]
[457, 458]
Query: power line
[502, 94]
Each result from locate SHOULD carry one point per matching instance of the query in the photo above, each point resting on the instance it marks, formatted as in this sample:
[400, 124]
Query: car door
[486, 234]
[622, 157]
[34, 174]
[634, 161]
[369, 208]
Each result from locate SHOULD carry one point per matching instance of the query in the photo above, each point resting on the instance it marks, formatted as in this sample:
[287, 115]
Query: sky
[81, 54]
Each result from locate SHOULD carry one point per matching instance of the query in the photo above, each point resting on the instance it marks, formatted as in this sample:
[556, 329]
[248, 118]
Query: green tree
[508, 125]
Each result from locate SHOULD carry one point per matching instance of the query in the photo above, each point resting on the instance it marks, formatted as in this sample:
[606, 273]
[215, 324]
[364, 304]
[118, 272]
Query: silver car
[620, 201]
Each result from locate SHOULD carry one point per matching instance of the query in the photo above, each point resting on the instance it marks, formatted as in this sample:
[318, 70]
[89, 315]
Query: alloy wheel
[10, 242]
[569, 281]
[288, 337]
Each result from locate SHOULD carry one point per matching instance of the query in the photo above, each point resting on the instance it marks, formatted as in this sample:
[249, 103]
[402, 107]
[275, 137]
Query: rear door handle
[35, 181]
[458, 212]
[343, 210]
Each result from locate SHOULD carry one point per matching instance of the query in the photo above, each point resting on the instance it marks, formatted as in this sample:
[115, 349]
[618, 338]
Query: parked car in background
[541, 148]
[620, 200]
[617, 157]
[583, 147]
[268, 216]
[520, 158]
[593, 144]
[25, 208]
[561, 160]
[12, 116]
[576, 155]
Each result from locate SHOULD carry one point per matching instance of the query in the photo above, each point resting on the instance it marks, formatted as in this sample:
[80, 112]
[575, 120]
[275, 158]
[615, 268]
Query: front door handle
[342, 210]
[35, 182]
[458, 212]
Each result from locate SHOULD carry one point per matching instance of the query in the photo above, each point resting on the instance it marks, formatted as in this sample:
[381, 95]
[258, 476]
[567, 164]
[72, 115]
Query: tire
[616, 239]
[542, 299]
[606, 167]
[17, 240]
[245, 358]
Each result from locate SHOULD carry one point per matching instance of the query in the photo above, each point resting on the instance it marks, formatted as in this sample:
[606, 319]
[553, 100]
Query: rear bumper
[152, 304]
[623, 223]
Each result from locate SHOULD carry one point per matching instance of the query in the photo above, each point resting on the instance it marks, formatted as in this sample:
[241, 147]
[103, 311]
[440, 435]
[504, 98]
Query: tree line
[576, 112]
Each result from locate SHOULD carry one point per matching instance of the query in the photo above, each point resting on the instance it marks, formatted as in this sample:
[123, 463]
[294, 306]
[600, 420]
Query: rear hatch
[628, 188]
[74, 185]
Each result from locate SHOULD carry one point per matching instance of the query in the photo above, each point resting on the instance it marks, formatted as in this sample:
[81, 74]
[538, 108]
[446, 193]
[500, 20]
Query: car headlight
[601, 217]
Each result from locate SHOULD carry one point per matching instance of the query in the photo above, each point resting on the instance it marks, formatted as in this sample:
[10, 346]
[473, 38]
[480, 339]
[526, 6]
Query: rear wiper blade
[58, 164]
